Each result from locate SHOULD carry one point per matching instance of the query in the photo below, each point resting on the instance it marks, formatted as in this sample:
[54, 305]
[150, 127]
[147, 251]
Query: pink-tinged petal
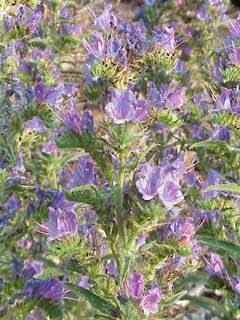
[150, 301]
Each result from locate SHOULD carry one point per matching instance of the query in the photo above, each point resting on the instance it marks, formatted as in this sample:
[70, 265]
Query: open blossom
[84, 282]
[32, 268]
[100, 48]
[50, 148]
[164, 38]
[235, 28]
[163, 181]
[170, 193]
[234, 56]
[135, 285]
[107, 20]
[111, 268]
[213, 177]
[36, 124]
[221, 133]
[150, 301]
[62, 220]
[125, 107]
[215, 265]
[202, 13]
[182, 229]
[49, 289]
[135, 36]
[61, 223]
[80, 172]
[12, 204]
[51, 95]
[166, 96]
[149, 181]
[235, 284]
[75, 121]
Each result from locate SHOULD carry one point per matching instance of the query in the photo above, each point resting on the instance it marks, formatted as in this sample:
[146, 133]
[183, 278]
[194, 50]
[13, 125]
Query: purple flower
[202, 13]
[157, 97]
[215, 265]
[141, 240]
[35, 315]
[166, 96]
[59, 201]
[72, 118]
[201, 217]
[49, 289]
[34, 21]
[203, 100]
[9, 23]
[235, 28]
[150, 301]
[234, 56]
[170, 193]
[12, 204]
[149, 181]
[45, 54]
[66, 12]
[176, 97]
[235, 284]
[76, 122]
[28, 18]
[164, 38]
[41, 92]
[50, 148]
[182, 229]
[36, 124]
[135, 286]
[162, 181]
[213, 177]
[70, 29]
[84, 282]
[81, 172]
[107, 20]
[135, 35]
[180, 67]
[111, 268]
[96, 46]
[62, 220]
[218, 68]
[32, 268]
[100, 49]
[221, 133]
[87, 122]
[61, 223]
[25, 244]
[50, 95]
[125, 107]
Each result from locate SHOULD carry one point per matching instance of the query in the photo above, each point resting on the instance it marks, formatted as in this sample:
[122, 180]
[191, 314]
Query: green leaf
[210, 145]
[211, 305]
[85, 194]
[100, 304]
[225, 187]
[221, 245]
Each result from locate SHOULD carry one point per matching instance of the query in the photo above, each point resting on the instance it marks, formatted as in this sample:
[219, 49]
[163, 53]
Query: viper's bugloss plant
[119, 184]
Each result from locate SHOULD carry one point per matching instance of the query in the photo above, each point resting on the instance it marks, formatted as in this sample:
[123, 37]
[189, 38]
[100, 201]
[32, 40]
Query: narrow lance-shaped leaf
[225, 187]
[97, 302]
[222, 246]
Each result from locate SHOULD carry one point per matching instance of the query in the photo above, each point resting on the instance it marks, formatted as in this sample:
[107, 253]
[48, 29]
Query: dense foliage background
[119, 160]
